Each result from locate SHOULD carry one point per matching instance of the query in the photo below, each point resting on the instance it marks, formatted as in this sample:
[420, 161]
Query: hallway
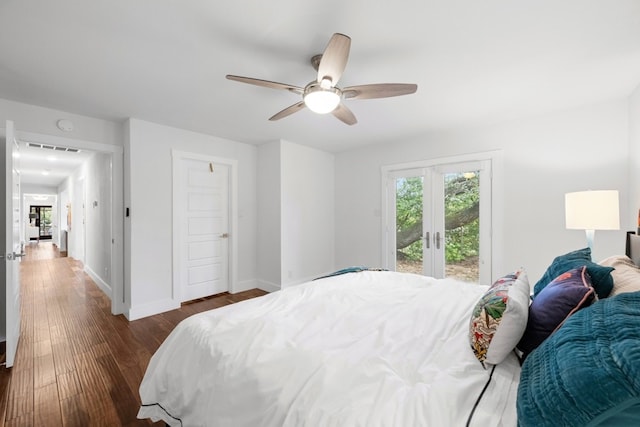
[77, 364]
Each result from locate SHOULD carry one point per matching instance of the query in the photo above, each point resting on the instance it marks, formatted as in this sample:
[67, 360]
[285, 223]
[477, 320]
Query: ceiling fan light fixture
[321, 95]
[321, 100]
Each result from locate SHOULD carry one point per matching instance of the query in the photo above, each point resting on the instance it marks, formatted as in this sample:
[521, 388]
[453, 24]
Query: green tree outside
[462, 222]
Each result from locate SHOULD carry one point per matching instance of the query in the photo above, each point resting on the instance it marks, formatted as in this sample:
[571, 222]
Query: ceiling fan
[322, 96]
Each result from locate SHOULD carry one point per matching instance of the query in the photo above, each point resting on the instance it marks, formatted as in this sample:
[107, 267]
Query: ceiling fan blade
[344, 114]
[266, 83]
[334, 59]
[288, 111]
[380, 90]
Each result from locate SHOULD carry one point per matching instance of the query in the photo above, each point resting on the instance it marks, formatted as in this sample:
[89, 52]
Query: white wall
[544, 158]
[42, 120]
[634, 160]
[296, 205]
[97, 182]
[269, 224]
[73, 186]
[37, 189]
[308, 213]
[148, 277]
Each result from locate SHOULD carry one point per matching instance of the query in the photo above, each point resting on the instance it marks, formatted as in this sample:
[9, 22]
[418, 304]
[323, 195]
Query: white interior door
[13, 246]
[204, 194]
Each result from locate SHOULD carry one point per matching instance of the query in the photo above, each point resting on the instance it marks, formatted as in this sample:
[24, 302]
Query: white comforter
[359, 349]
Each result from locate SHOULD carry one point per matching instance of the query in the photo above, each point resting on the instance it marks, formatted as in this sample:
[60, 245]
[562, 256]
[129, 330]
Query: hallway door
[13, 246]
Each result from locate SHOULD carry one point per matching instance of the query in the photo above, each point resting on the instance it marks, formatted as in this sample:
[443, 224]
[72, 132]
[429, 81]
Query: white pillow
[626, 275]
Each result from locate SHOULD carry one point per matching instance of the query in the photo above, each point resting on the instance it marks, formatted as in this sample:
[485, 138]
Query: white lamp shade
[592, 210]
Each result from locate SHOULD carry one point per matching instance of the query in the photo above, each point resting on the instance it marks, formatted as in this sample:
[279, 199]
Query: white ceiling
[165, 61]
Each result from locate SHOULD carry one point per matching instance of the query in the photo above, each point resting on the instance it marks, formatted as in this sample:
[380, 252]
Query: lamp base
[590, 236]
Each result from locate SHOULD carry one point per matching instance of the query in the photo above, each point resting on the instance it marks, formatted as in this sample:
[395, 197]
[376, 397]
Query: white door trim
[176, 157]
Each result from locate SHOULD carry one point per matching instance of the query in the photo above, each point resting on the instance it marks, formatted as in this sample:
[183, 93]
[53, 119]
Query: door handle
[224, 236]
[436, 239]
[427, 240]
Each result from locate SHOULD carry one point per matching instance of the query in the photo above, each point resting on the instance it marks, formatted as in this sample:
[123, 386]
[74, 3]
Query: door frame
[118, 295]
[497, 204]
[176, 157]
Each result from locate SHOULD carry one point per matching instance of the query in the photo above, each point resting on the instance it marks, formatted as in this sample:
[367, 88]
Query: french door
[439, 221]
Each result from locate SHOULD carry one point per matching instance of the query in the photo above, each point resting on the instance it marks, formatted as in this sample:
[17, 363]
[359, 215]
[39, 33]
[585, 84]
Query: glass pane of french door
[462, 225]
[409, 192]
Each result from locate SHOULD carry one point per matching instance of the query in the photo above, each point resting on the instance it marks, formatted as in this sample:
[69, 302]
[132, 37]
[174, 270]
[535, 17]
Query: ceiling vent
[52, 147]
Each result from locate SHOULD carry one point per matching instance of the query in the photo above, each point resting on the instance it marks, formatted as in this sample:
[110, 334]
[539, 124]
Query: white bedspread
[359, 349]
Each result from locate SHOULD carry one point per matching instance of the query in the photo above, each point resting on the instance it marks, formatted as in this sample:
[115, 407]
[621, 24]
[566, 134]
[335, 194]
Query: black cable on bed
[475, 405]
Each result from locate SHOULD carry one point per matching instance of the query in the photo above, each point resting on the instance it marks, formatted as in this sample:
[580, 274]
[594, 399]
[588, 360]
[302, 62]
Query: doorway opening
[83, 211]
[41, 222]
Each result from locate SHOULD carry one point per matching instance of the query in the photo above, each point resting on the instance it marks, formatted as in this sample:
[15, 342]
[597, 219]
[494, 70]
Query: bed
[365, 347]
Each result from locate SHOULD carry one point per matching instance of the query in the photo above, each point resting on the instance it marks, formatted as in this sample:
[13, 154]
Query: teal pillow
[600, 276]
[588, 372]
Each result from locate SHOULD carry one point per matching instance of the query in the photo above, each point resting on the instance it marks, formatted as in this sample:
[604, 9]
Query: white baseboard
[149, 309]
[104, 286]
[297, 282]
[267, 286]
[245, 285]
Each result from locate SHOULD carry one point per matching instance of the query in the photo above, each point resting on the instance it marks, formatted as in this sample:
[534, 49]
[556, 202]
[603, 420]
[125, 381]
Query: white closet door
[204, 229]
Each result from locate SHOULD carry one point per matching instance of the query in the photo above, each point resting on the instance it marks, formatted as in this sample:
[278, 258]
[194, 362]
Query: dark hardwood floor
[77, 364]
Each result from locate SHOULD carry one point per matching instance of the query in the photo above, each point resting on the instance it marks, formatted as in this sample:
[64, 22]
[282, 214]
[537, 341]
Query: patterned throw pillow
[500, 318]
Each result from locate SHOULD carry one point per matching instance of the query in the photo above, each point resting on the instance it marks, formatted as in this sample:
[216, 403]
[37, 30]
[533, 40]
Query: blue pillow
[600, 275]
[588, 372]
[565, 295]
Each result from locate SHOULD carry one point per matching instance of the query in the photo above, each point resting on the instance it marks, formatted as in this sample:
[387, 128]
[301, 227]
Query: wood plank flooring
[77, 364]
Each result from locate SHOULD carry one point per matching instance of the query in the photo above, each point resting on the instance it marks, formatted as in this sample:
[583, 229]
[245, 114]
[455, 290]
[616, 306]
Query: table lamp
[591, 211]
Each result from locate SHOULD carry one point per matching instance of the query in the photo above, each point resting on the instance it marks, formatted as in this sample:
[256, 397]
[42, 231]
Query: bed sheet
[360, 349]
